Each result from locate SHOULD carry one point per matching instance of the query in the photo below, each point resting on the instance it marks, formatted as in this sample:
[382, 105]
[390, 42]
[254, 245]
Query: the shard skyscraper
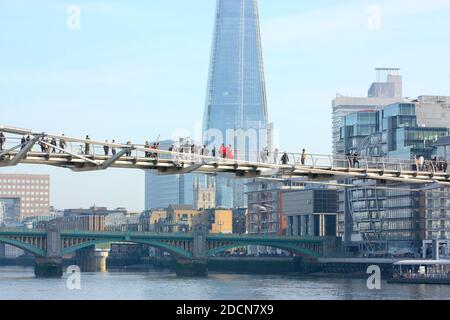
[236, 105]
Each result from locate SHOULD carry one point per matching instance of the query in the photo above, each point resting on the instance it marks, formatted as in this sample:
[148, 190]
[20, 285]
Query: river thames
[20, 283]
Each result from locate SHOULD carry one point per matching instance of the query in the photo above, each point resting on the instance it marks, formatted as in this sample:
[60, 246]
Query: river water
[20, 283]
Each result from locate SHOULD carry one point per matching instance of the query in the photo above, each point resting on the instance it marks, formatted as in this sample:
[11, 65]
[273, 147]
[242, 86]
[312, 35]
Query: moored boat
[421, 272]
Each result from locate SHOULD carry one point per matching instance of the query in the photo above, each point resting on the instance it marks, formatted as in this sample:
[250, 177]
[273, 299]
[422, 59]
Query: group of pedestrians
[189, 149]
[437, 165]
[265, 155]
[353, 159]
[49, 145]
[226, 152]
[440, 165]
[223, 152]
[284, 160]
[153, 146]
[107, 148]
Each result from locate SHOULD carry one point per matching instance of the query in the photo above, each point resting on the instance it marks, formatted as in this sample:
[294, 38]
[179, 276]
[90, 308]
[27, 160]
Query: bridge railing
[365, 163]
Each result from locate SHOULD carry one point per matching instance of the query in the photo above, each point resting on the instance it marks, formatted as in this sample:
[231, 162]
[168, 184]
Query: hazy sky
[138, 69]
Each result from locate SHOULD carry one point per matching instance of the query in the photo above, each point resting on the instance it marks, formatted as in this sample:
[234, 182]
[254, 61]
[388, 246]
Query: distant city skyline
[129, 74]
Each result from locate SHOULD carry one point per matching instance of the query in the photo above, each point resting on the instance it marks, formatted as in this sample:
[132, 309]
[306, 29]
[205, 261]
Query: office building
[443, 148]
[392, 132]
[386, 90]
[376, 219]
[94, 211]
[81, 223]
[24, 195]
[310, 212]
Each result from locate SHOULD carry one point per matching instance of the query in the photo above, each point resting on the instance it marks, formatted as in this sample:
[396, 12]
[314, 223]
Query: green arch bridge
[51, 245]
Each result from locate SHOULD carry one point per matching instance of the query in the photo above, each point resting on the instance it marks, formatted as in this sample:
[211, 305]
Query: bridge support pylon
[197, 266]
[191, 267]
[91, 259]
[50, 266]
[45, 267]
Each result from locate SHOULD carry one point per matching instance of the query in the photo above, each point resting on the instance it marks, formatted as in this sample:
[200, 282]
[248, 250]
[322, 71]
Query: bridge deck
[171, 236]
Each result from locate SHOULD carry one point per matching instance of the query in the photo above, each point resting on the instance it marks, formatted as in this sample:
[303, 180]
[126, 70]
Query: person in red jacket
[223, 151]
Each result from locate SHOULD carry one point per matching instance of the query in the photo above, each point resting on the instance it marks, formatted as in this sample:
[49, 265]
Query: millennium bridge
[24, 146]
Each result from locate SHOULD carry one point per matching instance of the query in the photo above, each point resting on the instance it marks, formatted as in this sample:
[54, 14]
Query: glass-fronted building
[374, 219]
[386, 90]
[392, 132]
[310, 212]
[236, 106]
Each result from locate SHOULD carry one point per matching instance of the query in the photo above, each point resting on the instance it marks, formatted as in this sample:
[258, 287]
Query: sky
[133, 70]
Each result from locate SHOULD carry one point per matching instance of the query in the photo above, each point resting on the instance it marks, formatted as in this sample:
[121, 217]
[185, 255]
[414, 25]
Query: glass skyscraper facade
[392, 132]
[236, 106]
[386, 221]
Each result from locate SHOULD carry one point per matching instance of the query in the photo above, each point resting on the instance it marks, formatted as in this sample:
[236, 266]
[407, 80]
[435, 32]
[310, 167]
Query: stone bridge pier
[51, 265]
[91, 259]
[197, 266]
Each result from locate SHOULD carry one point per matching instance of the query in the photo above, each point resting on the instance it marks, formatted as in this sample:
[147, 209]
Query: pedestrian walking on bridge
[106, 148]
[303, 158]
[128, 152]
[350, 159]
[223, 151]
[356, 160]
[62, 143]
[42, 145]
[87, 145]
[284, 159]
[147, 146]
[275, 156]
[229, 152]
[54, 144]
[2, 140]
[23, 142]
[113, 150]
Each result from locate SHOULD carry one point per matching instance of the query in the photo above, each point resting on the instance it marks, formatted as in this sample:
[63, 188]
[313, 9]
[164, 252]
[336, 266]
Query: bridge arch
[288, 247]
[24, 246]
[177, 252]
